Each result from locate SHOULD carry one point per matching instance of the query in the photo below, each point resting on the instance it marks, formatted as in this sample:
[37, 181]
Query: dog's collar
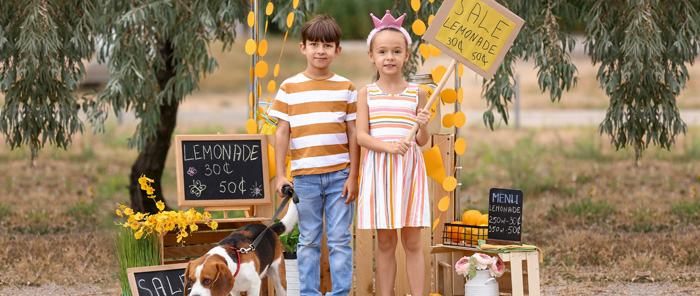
[238, 255]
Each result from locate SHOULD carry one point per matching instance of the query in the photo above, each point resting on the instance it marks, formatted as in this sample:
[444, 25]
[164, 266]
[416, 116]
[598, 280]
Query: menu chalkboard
[505, 214]
[222, 170]
[163, 280]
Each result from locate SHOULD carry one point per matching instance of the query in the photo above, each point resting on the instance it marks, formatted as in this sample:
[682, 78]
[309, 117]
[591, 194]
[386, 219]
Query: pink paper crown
[388, 21]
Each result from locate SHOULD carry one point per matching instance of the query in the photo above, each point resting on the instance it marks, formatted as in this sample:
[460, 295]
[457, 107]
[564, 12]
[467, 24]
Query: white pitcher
[481, 285]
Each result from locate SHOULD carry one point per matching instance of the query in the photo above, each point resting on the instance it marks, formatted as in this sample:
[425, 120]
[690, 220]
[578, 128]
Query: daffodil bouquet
[163, 221]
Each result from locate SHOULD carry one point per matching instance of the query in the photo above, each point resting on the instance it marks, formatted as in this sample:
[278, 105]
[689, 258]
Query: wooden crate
[201, 241]
[517, 281]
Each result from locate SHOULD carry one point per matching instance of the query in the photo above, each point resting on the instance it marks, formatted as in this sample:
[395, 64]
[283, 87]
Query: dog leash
[286, 189]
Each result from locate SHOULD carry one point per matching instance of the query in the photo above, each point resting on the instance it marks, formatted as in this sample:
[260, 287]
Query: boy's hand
[423, 117]
[399, 147]
[281, 182]
[350, 190]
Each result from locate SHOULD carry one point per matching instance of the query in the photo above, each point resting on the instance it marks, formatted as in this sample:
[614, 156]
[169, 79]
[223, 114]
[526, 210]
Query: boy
[316, 111]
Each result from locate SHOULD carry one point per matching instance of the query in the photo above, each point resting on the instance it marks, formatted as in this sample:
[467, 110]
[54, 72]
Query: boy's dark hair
[321, 28]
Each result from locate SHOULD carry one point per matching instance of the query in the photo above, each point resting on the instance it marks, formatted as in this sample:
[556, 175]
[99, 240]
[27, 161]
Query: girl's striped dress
[394, 188]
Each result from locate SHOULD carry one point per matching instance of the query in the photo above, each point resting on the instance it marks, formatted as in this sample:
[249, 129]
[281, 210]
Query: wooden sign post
[505, 216]
[167, 280]
[222, 170]
[476, 33]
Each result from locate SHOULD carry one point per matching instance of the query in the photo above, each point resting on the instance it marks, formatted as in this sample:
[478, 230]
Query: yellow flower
[592, 188]
[150, 190]
[194, 227]
[119, 213]
[134, 225]
[160, 205]
[90, 188]
[213, 225]
[138, 234]
[80, 202]
[692, 188]
[183, 233]
[121, 206]
[128, 211]
[151, 196]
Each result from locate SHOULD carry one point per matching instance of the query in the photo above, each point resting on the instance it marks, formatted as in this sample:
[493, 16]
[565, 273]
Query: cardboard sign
[222, 170]
[477, 33]
[505, 214]
[164, 280]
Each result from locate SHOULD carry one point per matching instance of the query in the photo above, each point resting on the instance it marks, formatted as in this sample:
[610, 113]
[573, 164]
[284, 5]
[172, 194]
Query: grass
[133, 252]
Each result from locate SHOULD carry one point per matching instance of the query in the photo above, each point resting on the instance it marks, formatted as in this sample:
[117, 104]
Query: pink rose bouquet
[467, 266]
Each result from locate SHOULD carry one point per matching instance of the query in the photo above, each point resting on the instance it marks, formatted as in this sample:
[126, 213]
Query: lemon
[471, 217]
[484, 219]
[455, 233]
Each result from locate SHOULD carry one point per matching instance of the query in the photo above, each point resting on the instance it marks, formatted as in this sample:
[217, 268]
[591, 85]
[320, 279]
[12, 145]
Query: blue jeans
[319, 194]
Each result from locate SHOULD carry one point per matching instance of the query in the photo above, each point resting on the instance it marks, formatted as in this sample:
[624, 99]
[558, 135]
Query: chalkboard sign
[162, 280]
[222, 170]
[505, 214]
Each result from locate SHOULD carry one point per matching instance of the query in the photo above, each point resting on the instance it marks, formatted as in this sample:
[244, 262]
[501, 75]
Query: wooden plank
[195, 238]
[187, 251]
[445, 144]
[516, 270]
[445, 275]
[426, 241]
[364, 263]
[458, 281]
[533, 274]
[176, 261]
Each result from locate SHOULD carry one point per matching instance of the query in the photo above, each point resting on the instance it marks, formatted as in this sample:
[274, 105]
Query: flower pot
[290, 263]
[481, 285]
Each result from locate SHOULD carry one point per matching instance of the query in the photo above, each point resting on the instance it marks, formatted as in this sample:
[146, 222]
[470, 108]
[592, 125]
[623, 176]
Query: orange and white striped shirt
[317, 110]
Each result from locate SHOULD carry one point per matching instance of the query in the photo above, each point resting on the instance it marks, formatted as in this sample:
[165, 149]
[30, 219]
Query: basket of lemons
[466, 233]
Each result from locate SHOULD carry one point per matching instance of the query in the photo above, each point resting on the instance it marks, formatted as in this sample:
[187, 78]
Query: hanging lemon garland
[261, 68]
[447, 96]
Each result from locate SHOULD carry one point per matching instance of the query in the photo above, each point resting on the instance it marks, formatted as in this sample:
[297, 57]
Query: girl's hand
[399, 147]
[423, 117]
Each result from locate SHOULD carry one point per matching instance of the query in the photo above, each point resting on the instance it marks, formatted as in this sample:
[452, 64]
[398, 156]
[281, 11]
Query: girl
[393, 191]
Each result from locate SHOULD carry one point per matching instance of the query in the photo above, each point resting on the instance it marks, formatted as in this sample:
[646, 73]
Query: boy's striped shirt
[317, 110]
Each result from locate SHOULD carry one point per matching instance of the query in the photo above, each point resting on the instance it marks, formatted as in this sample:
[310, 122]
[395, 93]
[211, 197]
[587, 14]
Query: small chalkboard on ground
[222, 170]
[505, 215]
[163, 280]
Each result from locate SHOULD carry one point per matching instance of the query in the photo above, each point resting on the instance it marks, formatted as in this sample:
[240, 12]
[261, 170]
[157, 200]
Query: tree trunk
[151, 160]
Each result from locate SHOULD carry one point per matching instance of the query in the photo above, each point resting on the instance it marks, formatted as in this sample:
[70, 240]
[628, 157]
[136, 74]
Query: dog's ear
[223, 284]
[187, 279]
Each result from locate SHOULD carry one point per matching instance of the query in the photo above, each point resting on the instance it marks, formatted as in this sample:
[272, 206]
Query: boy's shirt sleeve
[351, 111]
[280, 108]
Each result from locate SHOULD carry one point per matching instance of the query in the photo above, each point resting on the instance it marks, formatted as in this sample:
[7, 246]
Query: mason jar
[426, 82]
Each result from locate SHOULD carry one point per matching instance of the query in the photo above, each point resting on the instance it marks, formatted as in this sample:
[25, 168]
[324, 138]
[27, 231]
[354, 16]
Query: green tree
[42, 44]
[643, 48]
[156, 52]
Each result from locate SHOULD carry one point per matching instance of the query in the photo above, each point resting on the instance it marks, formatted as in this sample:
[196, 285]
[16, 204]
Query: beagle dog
[225, 270]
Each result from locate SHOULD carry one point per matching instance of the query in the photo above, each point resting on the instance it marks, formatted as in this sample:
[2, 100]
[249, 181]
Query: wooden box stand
[517, 281]
[201, 241]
